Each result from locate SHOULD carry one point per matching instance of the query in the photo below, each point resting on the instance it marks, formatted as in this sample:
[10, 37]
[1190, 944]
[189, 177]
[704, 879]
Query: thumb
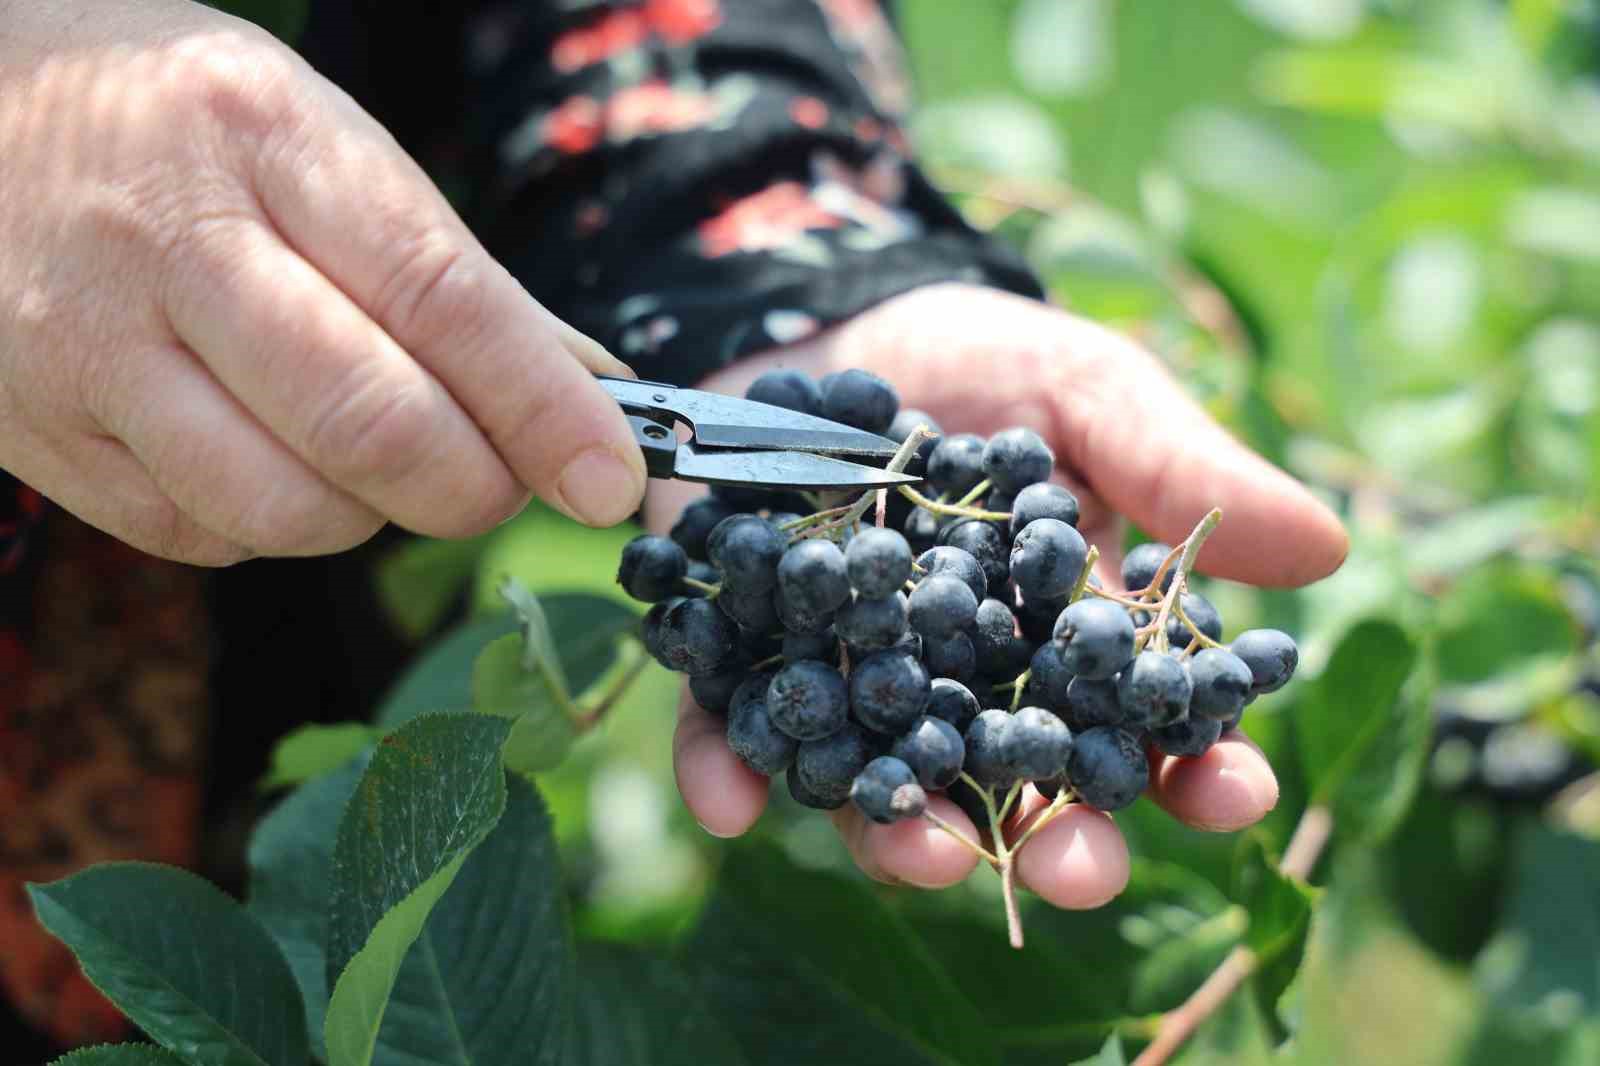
[352, 203]
[1153, 454]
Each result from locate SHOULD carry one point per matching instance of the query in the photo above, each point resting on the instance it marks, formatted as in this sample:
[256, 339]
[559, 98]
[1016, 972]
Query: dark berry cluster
[960, 645]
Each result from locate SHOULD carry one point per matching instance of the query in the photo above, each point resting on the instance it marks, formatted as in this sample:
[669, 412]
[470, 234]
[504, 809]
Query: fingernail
[713, 832]
[599, 488]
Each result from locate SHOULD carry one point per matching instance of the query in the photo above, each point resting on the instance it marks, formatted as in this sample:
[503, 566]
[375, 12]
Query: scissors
[741, 442]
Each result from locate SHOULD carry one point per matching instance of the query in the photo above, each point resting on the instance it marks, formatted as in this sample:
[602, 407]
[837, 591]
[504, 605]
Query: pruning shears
[733, 441]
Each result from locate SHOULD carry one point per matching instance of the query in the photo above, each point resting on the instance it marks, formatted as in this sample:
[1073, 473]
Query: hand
[1128, 441]
[236, 318]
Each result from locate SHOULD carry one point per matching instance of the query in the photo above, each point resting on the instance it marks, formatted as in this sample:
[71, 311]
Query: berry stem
[1016, 689]
[1063, 800]
[812, 519]
[978, 491]
[1082, 583]
[1180, 580]
[1008, 890]
[951, 510]
[1177, 1025]
[586, 718]
[972, 845]
[1200, 640]
[852, 513]
[709, 589]
[771, 660]
[1121, 601]
[1152, 591]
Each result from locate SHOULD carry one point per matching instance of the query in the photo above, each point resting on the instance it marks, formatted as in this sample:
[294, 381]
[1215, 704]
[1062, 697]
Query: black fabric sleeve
[692, 180]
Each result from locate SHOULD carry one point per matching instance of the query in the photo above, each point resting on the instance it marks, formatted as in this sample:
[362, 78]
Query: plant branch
[586, 718]
[1305, 846]
[951, 510]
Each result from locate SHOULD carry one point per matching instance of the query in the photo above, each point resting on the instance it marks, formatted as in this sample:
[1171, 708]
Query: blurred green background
[1368, 236]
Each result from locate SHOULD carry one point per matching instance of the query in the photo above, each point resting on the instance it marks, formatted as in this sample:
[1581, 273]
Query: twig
[589, 717]
[950, 509]
[1191, 548]
[1305, 846]
[1083, 579]
[709, 589]
[977, 492]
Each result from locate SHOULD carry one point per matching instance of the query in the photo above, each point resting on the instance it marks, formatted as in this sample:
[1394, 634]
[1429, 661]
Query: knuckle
[243, 81]
[437, 287]
[377, 431]
[308, 525]
[171, 534]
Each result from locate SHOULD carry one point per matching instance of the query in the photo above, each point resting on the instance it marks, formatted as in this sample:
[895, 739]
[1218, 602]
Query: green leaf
[1361, 743]
[491, 978]
[1280, 910]
[187, 964]
[523, 677]
[1110, 1054]
[119, 1055]
[419, 580]
[315, 749]
[539, 654]
[588, 629]
[1545, 960]
[804, 967]
[441, 678]
[549, 552]
[503, 685]
[291, 878]
[638, 1009]
[431, 793]
[1502, 618]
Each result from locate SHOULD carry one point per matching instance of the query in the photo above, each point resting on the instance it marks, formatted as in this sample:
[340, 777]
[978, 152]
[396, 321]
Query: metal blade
[779, 470]
[732, 422]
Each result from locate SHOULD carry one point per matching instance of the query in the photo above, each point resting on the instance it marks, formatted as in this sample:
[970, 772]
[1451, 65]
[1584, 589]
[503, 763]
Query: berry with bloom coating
[934, 750]
[1037, 745]
[826, 767]
[985, 739]
[877, 562]
[1271, 656]
[812, 577]
[792, 390]
[860, 399]
[808, 700]
[1095, 637]
[956, 464]
[747, 550]
[887, 791]
[696, 637]
[1189, 738]
[1153, 691]
[872, 624]
[1016, 458]
[889, 690]
[953, 702]
[1107, 768]
[941, 606]
[1222, 684]
[1140, 564]
[956, 561]
[652, 568]
[1043, 500]
[757, 742]
[696, 521]
[952, 657]
[1047, 558]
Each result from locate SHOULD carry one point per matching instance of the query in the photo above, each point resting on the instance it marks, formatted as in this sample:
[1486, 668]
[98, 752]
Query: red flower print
[601, 38]
[766, 219]
[575, 126]
[655, 107]
[681, 21]
[809, 112]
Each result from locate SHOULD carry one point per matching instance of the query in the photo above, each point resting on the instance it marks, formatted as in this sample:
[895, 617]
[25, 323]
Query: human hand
[1127, 441]
[236, 319]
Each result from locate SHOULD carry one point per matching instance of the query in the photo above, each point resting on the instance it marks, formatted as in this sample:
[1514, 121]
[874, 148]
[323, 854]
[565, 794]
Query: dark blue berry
[953, 702]
[1222, 684]
[887, 791]
[993, 629]
[958, 562]
[889, 690]
[697, 637]
[789, 389]
[956, 465]
[1095, 637]
[811, 576]
[652, 568]
[1153, 691]
[1047, 558]
[1201, 613]
[1015, 458]
[860, 399]
[757, 741]
[1107, 768]
[823, 647]
[934, 750]
[1189, 738]
[942, 605]
[754, 611]
[1037, 744]
[872, 624]
[714, 692]
[797, 621]
[952, 657]
[983, 542]
[1048, 678]
[650, 629]
[1091, 703]
[921, 529]
[1042, 500]
[808, 700]
[877, 562]
[985, 741]
[802, 793]
[1139, 566]
[747, 550]
[696, 521]
[702, 572]
[827, 767]
[1271, 656]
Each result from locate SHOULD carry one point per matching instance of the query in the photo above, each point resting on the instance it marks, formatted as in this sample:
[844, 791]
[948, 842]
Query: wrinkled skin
[236, 319]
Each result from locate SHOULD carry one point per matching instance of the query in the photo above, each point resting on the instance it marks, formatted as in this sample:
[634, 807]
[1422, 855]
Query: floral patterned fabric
[685, 180]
